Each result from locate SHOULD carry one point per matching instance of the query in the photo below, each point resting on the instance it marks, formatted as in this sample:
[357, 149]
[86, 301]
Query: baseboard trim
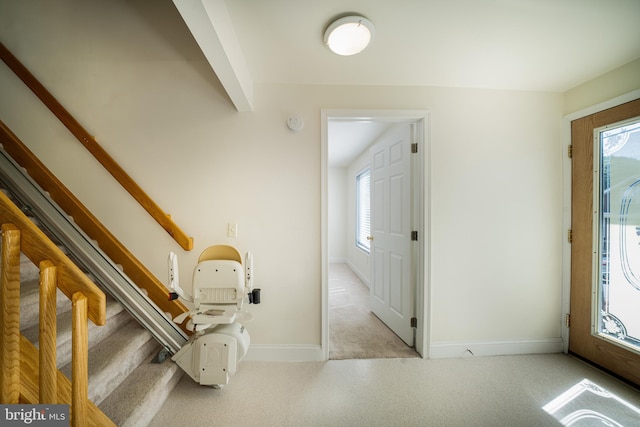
[284, 353]
[444, 350]
[438, 350]
[358, 273]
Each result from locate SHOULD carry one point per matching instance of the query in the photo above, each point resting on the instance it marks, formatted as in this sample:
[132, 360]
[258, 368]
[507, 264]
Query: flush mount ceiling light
[349, 35]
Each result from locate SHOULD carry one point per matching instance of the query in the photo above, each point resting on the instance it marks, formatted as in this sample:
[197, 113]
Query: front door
[392, 291]
[605, 251]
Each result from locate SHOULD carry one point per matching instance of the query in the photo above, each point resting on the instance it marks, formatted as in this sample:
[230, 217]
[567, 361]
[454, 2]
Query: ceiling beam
[211, 26]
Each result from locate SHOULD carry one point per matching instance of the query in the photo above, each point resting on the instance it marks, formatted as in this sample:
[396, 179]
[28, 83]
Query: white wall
[608, 86]
[337, 214]
[357, 258]
[131, 74]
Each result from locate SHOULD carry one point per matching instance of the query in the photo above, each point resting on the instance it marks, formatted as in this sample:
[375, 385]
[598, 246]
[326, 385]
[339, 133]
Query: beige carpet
[502, 391]
[354, 331]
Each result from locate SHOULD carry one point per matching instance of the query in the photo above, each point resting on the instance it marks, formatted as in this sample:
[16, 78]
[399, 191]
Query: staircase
[125, 382]
[128, 376]
[128, 380]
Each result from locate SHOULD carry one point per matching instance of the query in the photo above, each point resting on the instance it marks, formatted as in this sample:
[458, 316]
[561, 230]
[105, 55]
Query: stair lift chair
[219, 340]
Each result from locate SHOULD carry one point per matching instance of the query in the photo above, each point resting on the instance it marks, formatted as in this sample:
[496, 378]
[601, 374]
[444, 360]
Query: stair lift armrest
[174, 282]
[248, 270]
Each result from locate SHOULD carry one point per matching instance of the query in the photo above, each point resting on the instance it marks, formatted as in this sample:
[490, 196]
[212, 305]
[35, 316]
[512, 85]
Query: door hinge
[414, 236]
[414, 147]
[414, 322]
[567, 320]
[570, 151]
[570, 236]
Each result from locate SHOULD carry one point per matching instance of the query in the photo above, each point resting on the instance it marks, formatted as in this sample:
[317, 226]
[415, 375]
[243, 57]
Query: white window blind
[363, 210]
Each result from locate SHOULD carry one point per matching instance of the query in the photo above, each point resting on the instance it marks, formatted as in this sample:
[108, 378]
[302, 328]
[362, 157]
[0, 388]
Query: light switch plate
[232, 230]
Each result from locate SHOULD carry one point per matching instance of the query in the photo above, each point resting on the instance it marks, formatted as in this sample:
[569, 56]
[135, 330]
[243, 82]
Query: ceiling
[348, 138]
[530, 45]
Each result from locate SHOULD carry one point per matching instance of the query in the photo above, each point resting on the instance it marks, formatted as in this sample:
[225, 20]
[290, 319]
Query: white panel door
[392, 290]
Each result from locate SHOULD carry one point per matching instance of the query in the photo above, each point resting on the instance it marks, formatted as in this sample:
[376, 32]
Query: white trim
[423, 189]
[614, 102]
[423, 291]
[284, 353]
[566, 200]
[447, 350]
[324, 233]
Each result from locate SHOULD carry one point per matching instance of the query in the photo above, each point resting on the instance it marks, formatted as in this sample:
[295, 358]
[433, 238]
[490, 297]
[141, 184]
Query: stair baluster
[30, 375]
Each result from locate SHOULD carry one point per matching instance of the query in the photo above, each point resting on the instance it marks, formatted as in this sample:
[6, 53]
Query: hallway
[354, 331]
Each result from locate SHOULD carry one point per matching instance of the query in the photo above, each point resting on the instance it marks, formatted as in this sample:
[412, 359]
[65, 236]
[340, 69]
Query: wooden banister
[89, 142]
[30, 375]
[89, 223]
[38, 247]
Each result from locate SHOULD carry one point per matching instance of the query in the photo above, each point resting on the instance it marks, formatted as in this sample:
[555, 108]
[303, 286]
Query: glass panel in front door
[617, 227]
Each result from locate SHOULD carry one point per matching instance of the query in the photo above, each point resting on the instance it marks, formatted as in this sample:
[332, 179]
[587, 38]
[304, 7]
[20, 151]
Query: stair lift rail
[88, 256]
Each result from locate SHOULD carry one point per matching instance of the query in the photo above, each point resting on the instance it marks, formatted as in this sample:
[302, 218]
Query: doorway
[605, 219]
[333, 271]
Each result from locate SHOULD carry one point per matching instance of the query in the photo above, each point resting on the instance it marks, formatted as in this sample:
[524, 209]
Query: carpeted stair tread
[116, 317]
[122, 380]
[28, 270]
[30, 303]
[115, 357]
[136, 401]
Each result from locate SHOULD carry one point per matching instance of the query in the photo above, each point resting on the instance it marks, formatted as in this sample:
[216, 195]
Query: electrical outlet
[232, 230]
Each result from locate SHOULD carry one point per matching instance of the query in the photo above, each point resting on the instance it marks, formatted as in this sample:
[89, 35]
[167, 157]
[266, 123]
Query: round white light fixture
[349, 35]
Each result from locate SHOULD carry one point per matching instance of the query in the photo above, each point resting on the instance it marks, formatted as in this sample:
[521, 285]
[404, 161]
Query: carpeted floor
[354, 331]
[523, 391]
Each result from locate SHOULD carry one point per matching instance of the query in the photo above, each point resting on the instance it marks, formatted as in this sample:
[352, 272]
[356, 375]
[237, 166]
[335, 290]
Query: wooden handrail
[36, 378]
[90, 224]
[89, 142]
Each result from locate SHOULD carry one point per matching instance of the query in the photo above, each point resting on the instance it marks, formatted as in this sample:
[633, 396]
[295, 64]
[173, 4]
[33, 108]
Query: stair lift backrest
[218, 282]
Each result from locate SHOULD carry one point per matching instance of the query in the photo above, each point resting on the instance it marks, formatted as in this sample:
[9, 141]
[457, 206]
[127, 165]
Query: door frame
[421, 211]
[566, 202]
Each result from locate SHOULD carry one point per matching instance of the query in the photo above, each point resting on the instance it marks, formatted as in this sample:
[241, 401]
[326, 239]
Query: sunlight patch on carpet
[588, 404]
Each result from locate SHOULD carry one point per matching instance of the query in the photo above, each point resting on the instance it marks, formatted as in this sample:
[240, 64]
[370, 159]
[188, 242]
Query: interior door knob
[369, 237]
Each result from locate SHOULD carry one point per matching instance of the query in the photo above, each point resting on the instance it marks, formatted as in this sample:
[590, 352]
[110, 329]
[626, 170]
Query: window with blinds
[363, 210]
